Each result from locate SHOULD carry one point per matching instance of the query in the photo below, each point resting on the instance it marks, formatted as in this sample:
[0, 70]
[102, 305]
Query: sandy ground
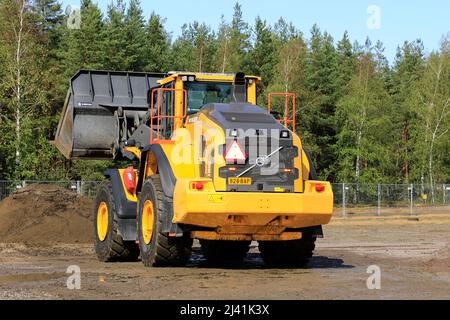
[413, 255]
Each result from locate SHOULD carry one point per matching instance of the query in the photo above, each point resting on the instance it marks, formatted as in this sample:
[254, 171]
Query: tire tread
[117, 249]
[168, 251]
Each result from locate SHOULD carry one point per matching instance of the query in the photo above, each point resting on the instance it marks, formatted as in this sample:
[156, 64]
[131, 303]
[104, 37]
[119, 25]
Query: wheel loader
[205, 162]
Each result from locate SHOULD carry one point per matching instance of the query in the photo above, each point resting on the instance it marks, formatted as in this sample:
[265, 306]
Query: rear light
[287, 170]
[129, 179]
[320, 188]
[232, 169]
[197, 186]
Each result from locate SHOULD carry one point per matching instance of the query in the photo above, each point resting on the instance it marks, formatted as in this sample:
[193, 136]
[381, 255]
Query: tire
[112, 247]
[160, 250]
[218, 251]
[292, 253]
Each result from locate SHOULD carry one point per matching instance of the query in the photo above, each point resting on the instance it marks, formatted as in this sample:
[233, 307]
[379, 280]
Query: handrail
[158, 116]
[288, 119]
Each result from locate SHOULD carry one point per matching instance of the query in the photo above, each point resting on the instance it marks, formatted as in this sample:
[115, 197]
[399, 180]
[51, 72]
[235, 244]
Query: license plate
[240, 181]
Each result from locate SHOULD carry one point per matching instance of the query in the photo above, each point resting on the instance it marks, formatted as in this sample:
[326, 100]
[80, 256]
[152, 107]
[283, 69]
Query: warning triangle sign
[235, 152]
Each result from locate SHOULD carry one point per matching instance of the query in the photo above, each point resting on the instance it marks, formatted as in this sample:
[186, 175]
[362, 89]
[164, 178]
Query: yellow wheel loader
[208, 164]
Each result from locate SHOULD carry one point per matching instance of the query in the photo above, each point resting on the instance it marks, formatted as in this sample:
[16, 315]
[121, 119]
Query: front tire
[156, 247]
[109, 244]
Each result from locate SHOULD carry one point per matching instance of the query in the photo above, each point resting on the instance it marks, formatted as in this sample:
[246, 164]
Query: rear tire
[157, 248]
[292, 253]
[111, 247]
[219, 251]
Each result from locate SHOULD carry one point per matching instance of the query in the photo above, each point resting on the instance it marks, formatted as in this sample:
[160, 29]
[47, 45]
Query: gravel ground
[413, 256]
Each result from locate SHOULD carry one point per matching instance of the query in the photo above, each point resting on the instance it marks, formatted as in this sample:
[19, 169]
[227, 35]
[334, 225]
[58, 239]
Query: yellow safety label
[215, 197]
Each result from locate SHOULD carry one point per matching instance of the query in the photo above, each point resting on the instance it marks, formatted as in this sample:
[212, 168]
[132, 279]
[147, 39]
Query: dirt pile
[42, 214]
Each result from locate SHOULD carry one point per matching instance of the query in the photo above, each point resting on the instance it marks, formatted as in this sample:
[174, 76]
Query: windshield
[201, 93]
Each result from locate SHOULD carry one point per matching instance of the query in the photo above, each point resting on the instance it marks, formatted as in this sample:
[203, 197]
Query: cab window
[201, 93]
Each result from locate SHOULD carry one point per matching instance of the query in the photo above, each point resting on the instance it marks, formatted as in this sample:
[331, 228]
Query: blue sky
[400, 20]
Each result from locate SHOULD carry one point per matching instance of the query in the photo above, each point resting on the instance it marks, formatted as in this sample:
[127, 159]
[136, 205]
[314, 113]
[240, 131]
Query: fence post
[379, 200]
[411, 199]
[24, 183]
[78, 187]
[443, 194]
[343, 200]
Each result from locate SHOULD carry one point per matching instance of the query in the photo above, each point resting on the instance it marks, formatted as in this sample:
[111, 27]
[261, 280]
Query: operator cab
[205, 88]
[182, 94]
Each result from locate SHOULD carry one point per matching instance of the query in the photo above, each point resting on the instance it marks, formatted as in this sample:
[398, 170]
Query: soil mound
[43, 214]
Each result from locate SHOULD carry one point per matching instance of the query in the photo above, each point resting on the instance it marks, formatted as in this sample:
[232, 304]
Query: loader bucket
[96, 102]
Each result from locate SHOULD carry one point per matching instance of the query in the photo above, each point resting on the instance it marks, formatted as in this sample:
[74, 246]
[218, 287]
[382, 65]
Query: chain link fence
[389, 199]
[349, 198]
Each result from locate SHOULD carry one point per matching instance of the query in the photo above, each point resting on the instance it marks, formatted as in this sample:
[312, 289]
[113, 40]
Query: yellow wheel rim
[102, 221]
[147, 221]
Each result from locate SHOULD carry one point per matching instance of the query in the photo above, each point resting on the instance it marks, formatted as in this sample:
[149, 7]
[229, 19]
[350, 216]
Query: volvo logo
[260, 161]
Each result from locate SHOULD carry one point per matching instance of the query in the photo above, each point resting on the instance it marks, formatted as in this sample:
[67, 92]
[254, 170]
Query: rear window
[201, 93]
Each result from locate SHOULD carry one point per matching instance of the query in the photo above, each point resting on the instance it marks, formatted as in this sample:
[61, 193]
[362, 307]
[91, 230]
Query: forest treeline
[361, 118]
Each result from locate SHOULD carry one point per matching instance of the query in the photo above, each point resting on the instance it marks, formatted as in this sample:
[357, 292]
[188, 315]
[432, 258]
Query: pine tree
[382, 64]
[84, 48]
[157, 49]
[223, 52]
[194, 49]
[233, 43]
[182, 53]
[262, 57]
[203, 46]
[116, 41]
[346, 61]
[49, 20]
[50, 14]
[239, 40]
[321, 84]
[135, 37]
[408, 68]
[285, 31]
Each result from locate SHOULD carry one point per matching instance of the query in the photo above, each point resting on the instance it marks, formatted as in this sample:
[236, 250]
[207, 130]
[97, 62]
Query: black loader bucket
[100, 107]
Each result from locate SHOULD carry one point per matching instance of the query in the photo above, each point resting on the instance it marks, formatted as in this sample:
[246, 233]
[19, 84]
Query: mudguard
[168, 182]
[125, 208]
[168, 179]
